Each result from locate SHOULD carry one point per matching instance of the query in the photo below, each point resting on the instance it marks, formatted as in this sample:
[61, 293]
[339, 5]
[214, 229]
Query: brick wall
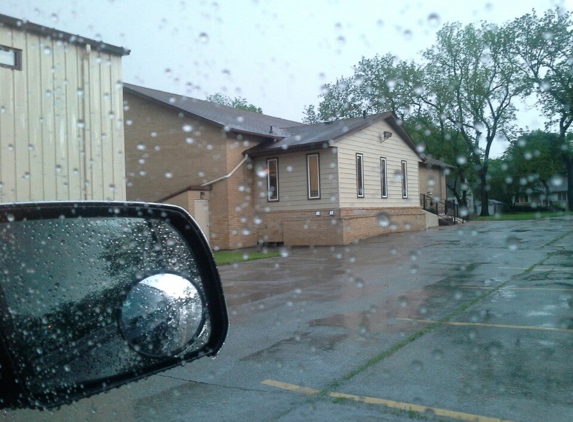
[301, 228]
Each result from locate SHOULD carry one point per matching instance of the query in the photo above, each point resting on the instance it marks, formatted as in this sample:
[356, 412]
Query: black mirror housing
[97, 294]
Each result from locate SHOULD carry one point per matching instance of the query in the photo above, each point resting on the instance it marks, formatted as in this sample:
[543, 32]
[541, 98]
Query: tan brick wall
[364, 223]
[301, 228]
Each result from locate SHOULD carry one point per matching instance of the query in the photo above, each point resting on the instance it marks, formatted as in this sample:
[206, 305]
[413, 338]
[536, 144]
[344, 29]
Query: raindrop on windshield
[383, 219]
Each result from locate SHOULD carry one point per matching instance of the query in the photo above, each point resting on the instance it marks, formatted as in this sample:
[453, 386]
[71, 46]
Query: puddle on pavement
[310, 341]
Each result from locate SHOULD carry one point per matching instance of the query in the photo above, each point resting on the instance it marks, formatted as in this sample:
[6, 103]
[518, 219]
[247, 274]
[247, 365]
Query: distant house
[250, 178]
[557, 195]
[61, 115]
[433, 174]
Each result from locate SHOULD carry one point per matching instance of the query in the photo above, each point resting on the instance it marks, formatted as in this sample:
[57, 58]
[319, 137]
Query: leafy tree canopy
[237, 102]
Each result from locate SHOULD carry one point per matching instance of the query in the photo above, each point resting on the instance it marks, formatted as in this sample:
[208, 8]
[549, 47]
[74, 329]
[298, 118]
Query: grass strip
[232, 257]
[525, 216]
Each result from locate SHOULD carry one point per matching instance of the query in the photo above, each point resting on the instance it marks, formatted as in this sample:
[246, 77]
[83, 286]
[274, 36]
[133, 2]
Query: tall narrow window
[313, 176]
[404, 179]
[273, 179]
[383, 178]
[359, 175]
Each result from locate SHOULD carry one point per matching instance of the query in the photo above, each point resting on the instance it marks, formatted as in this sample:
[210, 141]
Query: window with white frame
[313, 176]
[10, 58]
[404, 176]
[272, 179]
[383, 178]
[360, 175]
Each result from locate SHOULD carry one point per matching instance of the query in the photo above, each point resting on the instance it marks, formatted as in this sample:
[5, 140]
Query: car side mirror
[97, 294]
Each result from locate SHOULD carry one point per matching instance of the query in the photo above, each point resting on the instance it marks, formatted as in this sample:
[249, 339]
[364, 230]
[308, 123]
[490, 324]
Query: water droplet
[284, 253]
[433, 20]
[408, 35]
[169, 175]
[187, 128]
[81, 124]
[414, 269]
[437, 354]
[240, 119]
[246, 232]
[67, 368]
[464, 211]
[403, 301]
[257, 220]
[58, 168]
[548, 35]
[383, 219]
[261, 172]
[417, 365]
[10, 217]
[2, 110]
[190, 140]
[141, 147]
[47, 50]
[557, 181]
[203, 37]
[512, 243]
[461, 160]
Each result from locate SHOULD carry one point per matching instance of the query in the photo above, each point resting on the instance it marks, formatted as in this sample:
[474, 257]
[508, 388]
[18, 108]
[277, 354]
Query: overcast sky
[277, 54]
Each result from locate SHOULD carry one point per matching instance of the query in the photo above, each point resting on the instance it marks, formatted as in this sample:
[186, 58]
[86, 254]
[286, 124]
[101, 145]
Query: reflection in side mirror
[97, 294]
[161, 315]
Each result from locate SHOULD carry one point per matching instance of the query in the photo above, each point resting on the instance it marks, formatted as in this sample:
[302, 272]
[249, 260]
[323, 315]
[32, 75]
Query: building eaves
[57, 35]
[230, 118]
[323, 135]
[432, 162]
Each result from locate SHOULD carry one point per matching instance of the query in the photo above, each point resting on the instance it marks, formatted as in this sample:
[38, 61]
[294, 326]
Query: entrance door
[202, 216]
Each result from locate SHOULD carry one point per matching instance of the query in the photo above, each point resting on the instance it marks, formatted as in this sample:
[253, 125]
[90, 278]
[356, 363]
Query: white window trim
[360, 176]
[404, 171]
[15, 54]
[383, 177]
[309, 195]
[269, 199]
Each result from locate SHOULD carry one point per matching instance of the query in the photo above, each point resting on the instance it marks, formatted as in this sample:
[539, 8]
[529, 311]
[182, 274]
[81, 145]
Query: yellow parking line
[481, 324]
[567, 270]
[388, 403]
[566, 289]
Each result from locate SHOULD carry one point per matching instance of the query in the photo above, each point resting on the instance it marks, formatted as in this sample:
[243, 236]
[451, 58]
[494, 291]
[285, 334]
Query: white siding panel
[44, 153]
[369, 143]
[7, 127]
[293, 194]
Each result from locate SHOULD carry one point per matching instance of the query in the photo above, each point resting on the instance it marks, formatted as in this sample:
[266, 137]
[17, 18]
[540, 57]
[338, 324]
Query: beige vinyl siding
[44, 154]
[394, 149]
[293, 189]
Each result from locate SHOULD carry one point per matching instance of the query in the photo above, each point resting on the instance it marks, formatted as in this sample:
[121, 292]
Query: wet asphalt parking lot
[471, 322]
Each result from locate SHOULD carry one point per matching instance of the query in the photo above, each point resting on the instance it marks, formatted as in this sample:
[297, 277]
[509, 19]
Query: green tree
[541, 48]
[237, 102]
[470, 86]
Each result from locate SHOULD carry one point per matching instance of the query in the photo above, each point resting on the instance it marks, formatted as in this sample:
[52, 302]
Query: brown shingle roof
[304, 137]
[234, 119]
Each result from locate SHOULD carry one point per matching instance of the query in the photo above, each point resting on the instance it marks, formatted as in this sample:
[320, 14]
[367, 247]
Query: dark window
[313, 176]
[359, 175]
[404, 176]
[10, 58]
[273, 179]
[383, 178]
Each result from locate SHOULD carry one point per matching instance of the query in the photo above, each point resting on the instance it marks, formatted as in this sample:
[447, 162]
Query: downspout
[212, 182]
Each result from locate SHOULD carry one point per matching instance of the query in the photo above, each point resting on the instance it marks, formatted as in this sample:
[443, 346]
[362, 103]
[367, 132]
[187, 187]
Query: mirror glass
[161, 315]
[64, 284]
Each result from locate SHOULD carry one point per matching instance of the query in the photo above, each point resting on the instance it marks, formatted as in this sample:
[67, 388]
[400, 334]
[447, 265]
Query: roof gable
[305, 137]
[234, 119]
